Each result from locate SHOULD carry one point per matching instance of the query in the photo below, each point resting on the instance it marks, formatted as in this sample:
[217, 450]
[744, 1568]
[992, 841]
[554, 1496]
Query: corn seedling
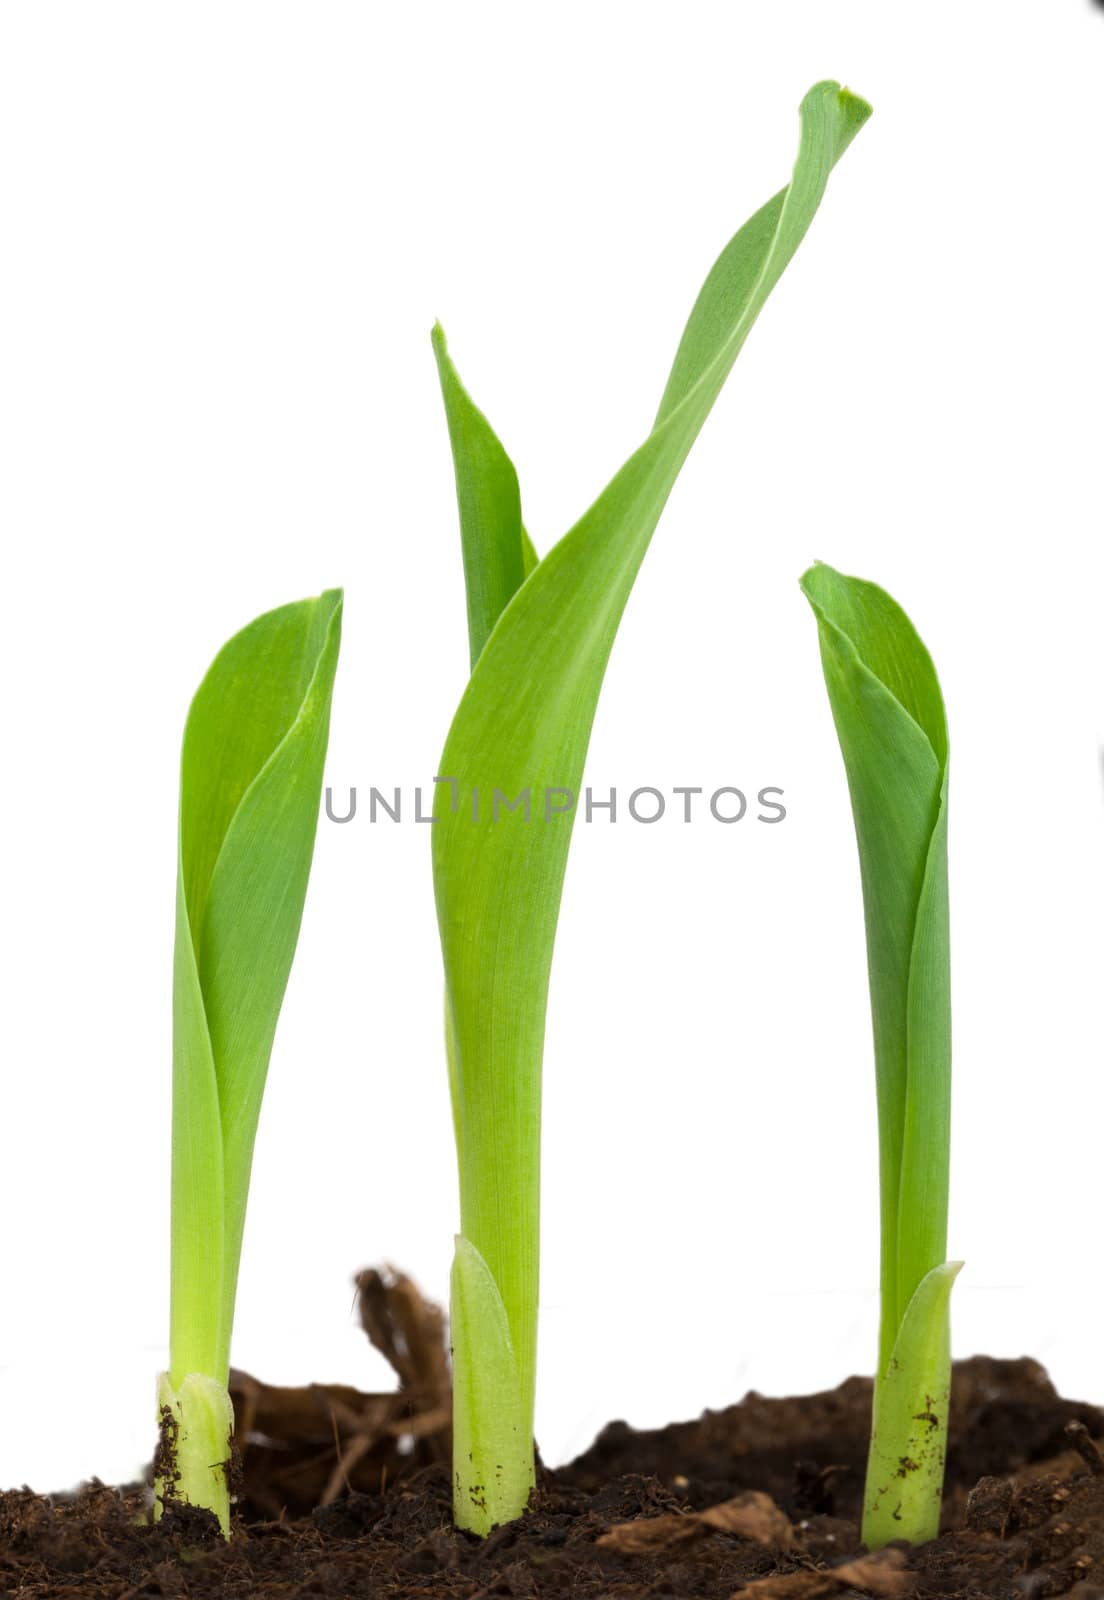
[540, 635]
[250, 785]
[892, 729]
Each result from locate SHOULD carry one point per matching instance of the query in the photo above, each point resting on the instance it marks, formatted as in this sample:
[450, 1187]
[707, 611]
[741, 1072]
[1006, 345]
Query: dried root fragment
[750, 1516]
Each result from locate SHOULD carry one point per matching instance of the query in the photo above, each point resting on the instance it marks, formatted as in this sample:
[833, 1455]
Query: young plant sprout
[892, 730]
[540, 636]
[250, 785]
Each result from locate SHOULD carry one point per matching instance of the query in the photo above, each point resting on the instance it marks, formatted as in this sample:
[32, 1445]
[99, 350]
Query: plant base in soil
[347, 1495]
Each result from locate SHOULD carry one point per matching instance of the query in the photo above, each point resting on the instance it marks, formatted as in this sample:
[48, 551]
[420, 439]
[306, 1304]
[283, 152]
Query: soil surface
[346, 1495]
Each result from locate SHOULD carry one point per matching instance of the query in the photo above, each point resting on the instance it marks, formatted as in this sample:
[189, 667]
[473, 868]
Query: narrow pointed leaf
[498, 555]
[523, 725]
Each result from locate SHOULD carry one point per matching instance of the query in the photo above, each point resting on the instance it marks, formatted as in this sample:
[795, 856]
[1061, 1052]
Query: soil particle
[347, 1495]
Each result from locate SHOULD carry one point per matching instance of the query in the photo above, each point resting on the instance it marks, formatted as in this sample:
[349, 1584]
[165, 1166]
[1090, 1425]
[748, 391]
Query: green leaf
[524, 723]
[251, 778]
[892, 729]
[498, 555]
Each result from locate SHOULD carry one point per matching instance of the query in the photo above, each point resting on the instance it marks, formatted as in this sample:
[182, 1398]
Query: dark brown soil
[347, 1495]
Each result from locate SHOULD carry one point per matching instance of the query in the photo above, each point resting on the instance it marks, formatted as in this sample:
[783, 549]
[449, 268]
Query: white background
[228, 229]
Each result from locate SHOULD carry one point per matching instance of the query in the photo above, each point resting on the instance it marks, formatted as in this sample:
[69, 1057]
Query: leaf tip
[856, 108]
[446, 370]
[845, 111]
[813, 579]
[331, 607]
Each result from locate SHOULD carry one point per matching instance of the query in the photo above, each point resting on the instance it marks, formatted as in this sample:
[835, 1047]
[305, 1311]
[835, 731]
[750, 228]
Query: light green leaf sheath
[892, 729]
[485, 1371]
[251, 779]
[522, 727]
[908, 1440]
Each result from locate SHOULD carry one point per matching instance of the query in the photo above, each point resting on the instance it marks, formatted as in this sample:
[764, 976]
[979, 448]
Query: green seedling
[250, 785]
[892, 729]
[540, 635]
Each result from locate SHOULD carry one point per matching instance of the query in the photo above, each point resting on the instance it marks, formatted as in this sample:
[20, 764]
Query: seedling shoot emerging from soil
[892, 729]
[251, 779]
[540, 635]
